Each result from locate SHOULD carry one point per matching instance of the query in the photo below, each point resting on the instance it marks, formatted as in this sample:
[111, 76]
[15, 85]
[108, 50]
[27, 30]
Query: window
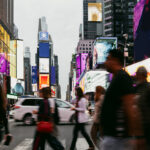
[62, 104]
[29, 102]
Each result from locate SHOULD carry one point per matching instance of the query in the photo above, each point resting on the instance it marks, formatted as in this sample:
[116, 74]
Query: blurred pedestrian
[3, 117]
[95, 130]
[45, 125]
[81, 119]
[120, 122]
[142, 90]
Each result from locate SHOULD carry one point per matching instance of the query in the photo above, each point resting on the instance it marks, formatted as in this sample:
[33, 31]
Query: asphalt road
[23, 136]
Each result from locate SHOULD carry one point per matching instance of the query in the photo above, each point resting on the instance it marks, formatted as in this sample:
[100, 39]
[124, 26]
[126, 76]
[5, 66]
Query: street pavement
[23, 137]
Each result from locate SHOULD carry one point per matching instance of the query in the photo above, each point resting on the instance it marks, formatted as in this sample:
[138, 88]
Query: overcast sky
[63, 19]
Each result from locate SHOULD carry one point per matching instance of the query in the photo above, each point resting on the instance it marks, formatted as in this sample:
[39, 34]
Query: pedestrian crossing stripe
[27, 144]
[24, 145]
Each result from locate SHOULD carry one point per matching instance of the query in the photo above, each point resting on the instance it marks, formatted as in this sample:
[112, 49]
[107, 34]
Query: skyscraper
[27, 71]
[7, 15]
[92, 18]
[118, 16]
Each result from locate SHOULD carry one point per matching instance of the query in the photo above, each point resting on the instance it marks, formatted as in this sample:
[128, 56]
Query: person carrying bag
[45, 125]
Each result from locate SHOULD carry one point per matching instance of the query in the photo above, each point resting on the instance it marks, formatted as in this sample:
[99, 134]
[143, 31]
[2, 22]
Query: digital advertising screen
[43, 81]
[138, 10]
[101, 48]
[3, 63]
[13, 63]
[34, 74]
[53, 91]
[95, 12]
[78, 61]
[20, 60]
[142, 42]
[43, 36]
[83, 61]
[93, 79]
[53, 75]
[44, 65]
[133, 68]
[44, 50]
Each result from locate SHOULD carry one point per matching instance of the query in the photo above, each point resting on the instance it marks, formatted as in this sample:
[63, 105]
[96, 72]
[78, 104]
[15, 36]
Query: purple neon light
[83, 61]
[78, 62]
[138, 9]
[3, 63]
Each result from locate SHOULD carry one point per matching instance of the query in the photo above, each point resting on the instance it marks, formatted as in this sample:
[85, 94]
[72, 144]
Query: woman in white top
[95, 130]
[81, 119]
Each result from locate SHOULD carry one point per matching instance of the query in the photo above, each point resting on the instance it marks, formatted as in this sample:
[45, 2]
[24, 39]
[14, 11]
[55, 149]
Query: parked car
[23, 110]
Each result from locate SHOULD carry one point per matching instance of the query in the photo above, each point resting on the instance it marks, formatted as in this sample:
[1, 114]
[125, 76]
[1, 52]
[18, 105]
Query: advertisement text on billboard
[44, 65]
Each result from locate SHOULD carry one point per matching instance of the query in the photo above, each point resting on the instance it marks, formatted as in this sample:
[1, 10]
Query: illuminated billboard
[13, 63]
[3, 63]
[44, 50]
[133, 68]
[78, 61]
[138, 10]
[142, 42]
[20, 60]
[83, 61]
[44, 65]
[53, 91]
[92, 79]
[34, 75]
[95, 12]
[43, 81]
[43, 36]
[101, 48]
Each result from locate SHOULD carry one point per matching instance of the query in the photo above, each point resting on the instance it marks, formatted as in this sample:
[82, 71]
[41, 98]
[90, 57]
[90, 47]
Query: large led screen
[43, 81]
[133, 68]
[78, 61]
[3, 63]
[34, 74]
[92, 79]
[53, 75]
[44, 65]
[13, 63]
[138, 9]
[20, 60]
[43, 36]
[95, 12]
[83, 61]
[44, 50]
[101, 48]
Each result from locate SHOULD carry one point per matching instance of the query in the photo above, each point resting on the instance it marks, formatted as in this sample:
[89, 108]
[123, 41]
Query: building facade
[92, 19]
[27, 71]
[85, 46]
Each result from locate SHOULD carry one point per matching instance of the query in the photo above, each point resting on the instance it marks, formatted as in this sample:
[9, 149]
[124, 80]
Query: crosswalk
[26, 144]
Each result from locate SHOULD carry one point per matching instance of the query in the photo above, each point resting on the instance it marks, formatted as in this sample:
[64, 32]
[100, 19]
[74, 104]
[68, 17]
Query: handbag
[45, 127]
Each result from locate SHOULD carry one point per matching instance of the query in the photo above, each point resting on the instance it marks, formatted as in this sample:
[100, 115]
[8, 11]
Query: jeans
[114, 143]
[40, 139]
[80, 127]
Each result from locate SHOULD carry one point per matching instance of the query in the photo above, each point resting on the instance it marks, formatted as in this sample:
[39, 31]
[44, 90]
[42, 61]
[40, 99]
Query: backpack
[56, 114]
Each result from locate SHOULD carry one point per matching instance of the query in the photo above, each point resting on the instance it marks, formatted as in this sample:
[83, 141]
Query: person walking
[142, 90]
[95, 130]
[81, 119]
[119, 120]
[45, 119]
[3, 117]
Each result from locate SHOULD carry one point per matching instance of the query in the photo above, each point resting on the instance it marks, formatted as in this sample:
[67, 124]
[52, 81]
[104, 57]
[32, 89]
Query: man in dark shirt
[118, 117]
